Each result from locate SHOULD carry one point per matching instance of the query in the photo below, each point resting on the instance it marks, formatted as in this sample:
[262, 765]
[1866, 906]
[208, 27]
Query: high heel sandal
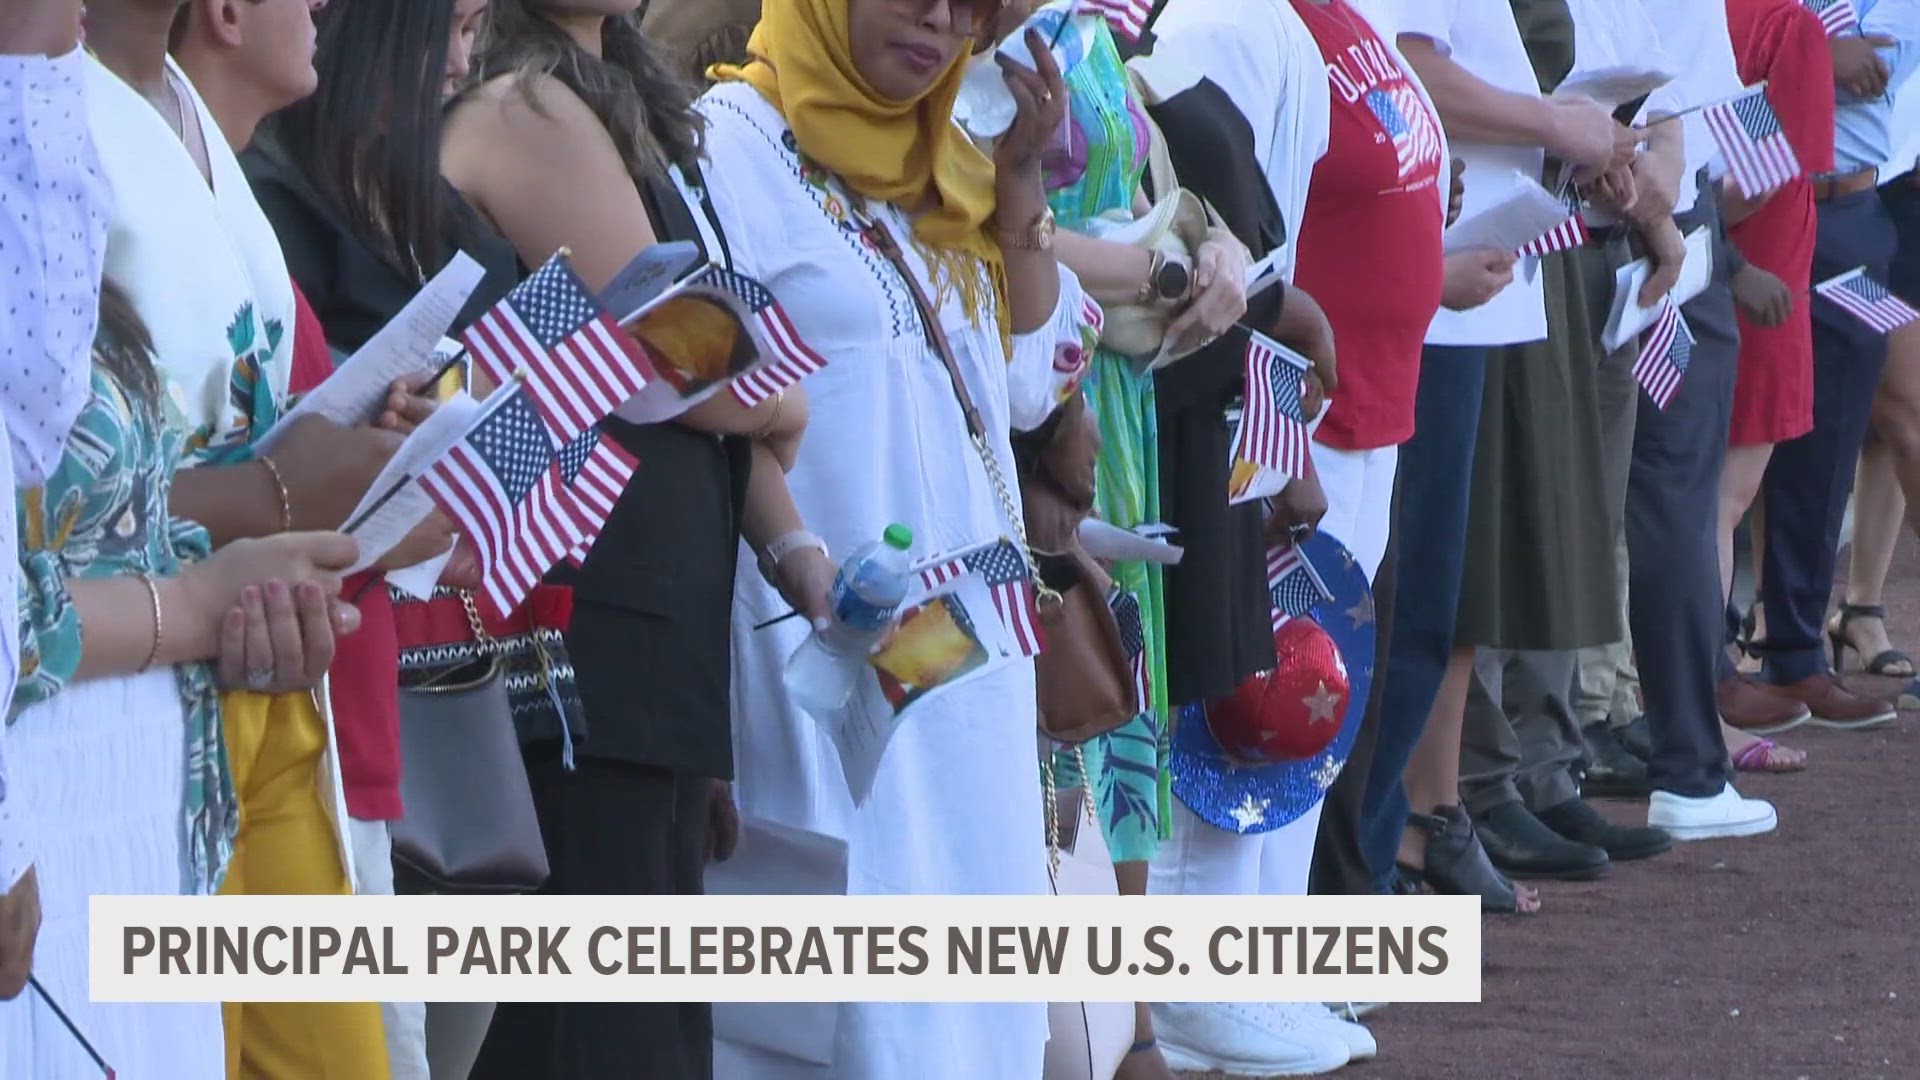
[1457, 865]
[1891, 663]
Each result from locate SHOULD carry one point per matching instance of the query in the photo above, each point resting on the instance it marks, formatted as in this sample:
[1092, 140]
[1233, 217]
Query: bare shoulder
[520, 125]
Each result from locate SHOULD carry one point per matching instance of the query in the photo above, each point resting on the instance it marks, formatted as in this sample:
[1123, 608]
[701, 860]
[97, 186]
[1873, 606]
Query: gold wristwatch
[1035, 237]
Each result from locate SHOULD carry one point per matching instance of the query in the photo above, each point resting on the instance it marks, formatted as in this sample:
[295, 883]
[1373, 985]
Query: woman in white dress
[118, 771]
[840, 121]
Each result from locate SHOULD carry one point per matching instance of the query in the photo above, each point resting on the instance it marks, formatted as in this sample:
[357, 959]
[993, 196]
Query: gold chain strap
[1049, 600]
[1052, 808]
[483, 643]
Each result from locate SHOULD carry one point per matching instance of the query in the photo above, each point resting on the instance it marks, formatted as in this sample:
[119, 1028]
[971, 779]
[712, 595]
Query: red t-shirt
[365, 677]
[1370, 243]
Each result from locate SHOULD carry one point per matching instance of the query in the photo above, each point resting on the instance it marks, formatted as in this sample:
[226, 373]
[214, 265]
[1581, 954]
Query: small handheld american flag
[1868, 300]
[594, 471]
[580, 365]
[1567, 235]
[1750, 137]
[1008, 578]
[1133, 638]
[1837, 16]
[1127, 18]
[1664, 356]
[784, 358]
[1273, 424]
[1294, 588]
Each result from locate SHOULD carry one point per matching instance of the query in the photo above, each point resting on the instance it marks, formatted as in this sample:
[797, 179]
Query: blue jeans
[1436, 469]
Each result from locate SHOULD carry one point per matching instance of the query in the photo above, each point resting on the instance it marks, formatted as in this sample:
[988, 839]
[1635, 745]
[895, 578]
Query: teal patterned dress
[1094, 167]
[103, 514]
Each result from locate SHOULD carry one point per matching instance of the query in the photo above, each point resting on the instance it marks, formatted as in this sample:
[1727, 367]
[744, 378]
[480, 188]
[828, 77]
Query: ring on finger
[259, 679]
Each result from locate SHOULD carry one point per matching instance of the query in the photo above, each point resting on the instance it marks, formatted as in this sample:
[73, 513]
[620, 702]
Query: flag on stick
[1837, 16]
[1567, 235]
[1273, 423]
[1133, 638]
[787, 359]
[1008, 578]
[1293, 586]
[1868, 300]
[1127, 18]
[1750, 137]
[1664, 356]
[593, 471]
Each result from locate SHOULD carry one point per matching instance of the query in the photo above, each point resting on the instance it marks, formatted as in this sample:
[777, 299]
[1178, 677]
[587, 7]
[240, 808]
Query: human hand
[1304, 328]
[40, 28]
[805, 580]
[279, 639]
[429, 539]
[1297, 511]
[1584, 134]
[328, 468]
[410, 401]
[1615, 192]
[1762, 297]
[204, 594]
[1219, 294]
[19, 929]
[723, 823]
[463, 570]
[1858, 67]
[1457, 194]
[1668, 250]
[1040, 101]
[1475, 277]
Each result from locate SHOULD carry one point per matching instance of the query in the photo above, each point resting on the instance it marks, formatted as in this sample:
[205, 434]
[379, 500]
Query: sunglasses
[969, 16]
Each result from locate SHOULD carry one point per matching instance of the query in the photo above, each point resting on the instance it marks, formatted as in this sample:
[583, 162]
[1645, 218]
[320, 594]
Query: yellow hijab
[907, 153]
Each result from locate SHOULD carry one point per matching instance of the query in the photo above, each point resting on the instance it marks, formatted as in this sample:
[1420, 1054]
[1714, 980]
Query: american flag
[1293, 586]
[1008, 577]
[580, 364]
[1404, 117]
[1128, 18]
[1868, 300]
[1133, 638]
[785, 359]
[1273, 425]
[1749, 135]
[1567, 235]
[1837, 16]
[593, 471]
[502, 484]
[1664, 356]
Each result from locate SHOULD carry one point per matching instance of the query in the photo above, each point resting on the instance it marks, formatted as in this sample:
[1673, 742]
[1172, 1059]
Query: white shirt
[1694, 32]
[1906, 131]
[53, 204]
[1264, 58]
[1481, 36]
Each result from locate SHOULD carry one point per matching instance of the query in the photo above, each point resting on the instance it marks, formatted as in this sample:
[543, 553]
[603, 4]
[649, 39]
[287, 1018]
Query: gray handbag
[470, 824]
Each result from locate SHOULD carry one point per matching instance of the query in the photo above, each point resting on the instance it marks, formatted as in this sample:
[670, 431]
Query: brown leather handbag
[1086, 682]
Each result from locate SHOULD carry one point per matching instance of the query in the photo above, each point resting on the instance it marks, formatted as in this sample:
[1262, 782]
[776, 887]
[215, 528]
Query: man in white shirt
[52, 242]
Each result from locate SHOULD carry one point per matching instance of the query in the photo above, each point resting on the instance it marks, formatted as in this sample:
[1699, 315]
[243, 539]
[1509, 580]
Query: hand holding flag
[1868, 300]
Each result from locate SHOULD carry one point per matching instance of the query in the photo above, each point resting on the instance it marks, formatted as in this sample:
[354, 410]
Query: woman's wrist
[185, 630]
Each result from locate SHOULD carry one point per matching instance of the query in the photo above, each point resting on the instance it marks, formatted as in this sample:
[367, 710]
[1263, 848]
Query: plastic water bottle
[823, 672]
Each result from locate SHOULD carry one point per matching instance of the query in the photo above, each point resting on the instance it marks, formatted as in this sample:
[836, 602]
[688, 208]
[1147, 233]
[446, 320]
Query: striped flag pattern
[1868, 300]
[580, 365]
[1664, 356]
[594, 470]
[1293, 586]
[1749, 135]
[1567, 235]
[1133, 638]
[786, 358]
[1837, 16]
[1405, 119]
[1008, 578]
[1273, 424]
[1127, 18]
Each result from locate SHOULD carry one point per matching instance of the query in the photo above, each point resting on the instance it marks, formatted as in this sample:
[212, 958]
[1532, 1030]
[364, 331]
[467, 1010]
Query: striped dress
[1094, 167]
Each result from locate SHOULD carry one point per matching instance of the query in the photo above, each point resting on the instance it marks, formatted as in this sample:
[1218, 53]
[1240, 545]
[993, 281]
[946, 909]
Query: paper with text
[1527, 213]
[409, 506]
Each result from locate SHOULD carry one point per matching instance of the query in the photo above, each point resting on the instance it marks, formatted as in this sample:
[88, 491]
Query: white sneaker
[1316, 1016]
[1357, 1011]
[1244, 1040]
[1722, 815]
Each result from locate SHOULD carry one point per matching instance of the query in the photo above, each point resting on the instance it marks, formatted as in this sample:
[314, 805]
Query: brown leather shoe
[1758, 709]
[1835, 706]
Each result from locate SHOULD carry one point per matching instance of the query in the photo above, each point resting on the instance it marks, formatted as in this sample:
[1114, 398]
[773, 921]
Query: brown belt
[1828, 188]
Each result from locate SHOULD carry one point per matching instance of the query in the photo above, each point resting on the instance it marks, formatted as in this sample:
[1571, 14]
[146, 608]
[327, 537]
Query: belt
[1839, 185]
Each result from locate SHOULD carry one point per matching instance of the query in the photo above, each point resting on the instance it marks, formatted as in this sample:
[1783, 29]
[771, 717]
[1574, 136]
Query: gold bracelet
[286, 499]
[779, 402]
[159, 623]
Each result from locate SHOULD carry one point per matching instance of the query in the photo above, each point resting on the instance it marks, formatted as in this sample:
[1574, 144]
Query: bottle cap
[898, 537]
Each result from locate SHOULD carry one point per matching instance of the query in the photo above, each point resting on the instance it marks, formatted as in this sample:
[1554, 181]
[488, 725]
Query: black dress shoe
[1613, 772]
[1456, 864]
[1523, 846]
[1637, 737]
[1581, 823]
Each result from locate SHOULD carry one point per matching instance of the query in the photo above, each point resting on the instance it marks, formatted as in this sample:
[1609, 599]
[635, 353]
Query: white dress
[956, 806]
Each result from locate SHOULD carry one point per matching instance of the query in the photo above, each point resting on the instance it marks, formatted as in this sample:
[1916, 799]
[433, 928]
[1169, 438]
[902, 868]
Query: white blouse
[53, 205]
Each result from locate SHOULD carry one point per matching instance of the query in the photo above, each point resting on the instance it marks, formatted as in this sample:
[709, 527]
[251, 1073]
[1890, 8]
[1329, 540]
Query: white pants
[1359, 489]
[405, 1022]
[1201, 860]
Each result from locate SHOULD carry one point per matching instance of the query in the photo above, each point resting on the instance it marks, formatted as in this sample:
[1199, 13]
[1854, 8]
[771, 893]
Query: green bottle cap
[898, 537]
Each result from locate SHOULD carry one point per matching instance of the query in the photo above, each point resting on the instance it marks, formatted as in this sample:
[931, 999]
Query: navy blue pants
[1436, 471]
[1810, 478]
[1675, 608]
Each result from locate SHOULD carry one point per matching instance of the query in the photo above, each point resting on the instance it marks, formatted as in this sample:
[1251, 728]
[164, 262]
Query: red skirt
[1773, 397]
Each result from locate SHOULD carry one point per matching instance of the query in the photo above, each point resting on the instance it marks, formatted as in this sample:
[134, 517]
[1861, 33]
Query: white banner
[786, 948]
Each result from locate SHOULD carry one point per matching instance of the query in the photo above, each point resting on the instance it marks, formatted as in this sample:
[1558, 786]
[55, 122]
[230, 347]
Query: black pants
[612, 829]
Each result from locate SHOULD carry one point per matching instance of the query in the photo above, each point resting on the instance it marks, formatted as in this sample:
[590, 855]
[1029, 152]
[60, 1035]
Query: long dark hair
[645, 106]
[369, 138]
[123, 346]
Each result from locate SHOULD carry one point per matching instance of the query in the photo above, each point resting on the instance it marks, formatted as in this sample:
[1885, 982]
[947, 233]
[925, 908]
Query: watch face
[1173, 280]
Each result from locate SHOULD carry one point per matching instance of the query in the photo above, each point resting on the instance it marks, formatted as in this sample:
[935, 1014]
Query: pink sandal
[1758, 757]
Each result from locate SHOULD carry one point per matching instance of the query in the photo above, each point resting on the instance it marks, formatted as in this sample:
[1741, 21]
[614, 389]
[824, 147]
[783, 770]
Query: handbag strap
[882, 238]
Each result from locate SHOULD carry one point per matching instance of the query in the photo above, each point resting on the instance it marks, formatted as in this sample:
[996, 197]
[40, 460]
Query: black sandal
[1457, 865]
[1892, 663]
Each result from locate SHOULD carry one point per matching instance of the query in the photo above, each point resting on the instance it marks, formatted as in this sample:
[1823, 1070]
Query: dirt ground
[1795, 955]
